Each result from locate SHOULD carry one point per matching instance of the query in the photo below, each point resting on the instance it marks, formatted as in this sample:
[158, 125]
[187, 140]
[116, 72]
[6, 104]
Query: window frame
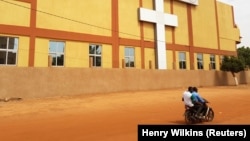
[8, 51]
[57, 53]
[182, 61]
[200, 62]
[96, 55]
[212, 62]
[129, 57]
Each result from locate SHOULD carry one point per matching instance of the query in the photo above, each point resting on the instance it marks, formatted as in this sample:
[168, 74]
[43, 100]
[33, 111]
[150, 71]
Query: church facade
[140, 34]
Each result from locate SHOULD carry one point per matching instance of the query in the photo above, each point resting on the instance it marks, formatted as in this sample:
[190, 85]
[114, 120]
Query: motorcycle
[207, 114]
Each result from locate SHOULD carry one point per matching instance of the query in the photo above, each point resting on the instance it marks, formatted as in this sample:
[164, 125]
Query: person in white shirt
[186, 98]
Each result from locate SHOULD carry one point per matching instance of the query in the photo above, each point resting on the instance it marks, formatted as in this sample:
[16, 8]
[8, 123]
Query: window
[200, 61]
[182, 60]
[212, 62]
[8, 50]
[95, 52]
[129, 57]
[56, 51]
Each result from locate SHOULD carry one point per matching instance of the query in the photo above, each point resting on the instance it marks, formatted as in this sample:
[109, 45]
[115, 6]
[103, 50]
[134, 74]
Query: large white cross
[193, 2]
[161, 19]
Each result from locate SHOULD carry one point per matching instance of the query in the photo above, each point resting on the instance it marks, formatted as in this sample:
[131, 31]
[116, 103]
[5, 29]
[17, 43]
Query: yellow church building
[140, 34]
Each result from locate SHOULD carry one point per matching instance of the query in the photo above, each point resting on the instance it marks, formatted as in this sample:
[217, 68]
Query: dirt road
[112, 117]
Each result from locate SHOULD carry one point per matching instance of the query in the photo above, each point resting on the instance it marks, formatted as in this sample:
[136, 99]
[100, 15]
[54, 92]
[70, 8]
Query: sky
[242, 19]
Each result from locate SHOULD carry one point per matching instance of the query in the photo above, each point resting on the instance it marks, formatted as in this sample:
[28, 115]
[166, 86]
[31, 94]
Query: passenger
[198, 101]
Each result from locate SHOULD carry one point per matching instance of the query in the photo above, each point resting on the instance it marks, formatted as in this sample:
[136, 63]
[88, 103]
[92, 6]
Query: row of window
[56, 50]
[9, 47]
[200, 63]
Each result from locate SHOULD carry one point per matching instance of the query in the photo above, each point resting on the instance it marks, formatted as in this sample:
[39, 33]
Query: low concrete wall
[49, 82]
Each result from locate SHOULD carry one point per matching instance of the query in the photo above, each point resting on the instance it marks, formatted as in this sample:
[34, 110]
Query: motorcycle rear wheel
[189, 117]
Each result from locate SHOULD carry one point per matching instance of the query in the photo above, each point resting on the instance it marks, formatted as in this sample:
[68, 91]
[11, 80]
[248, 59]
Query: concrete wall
[48, 82]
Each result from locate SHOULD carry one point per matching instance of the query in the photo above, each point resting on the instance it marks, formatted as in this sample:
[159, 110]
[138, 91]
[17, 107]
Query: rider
[186, 98]
[198, 101]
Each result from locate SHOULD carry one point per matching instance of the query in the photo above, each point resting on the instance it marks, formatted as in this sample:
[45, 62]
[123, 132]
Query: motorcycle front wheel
[210, 115]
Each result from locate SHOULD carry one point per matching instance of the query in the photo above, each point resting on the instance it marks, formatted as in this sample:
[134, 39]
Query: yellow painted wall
[169, 60]
[121, 56]
[149, 33]
[83, 16]
[149, 56]
[228, 33]
[227, 44]
[169, 35]
[23, 52]
[138, 61]
[148, 4]
[129, 26]
[148, 28]
[107, 56]
[177, 60]
[187, 60]
[204, 25]
[88, 16]
[195, 61]
[206, 61]
[217, 57]
[168, 29]
[41, 52]
[15, 13]
[181, 32]
[76, 54]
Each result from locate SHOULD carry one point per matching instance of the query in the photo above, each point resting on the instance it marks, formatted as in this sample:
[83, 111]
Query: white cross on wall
[161, 19]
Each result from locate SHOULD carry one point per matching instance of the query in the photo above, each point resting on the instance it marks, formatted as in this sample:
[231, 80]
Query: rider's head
[190, 89]
[195, 89]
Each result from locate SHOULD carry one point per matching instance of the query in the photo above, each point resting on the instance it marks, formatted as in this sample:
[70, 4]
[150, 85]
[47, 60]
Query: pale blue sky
[242, 19]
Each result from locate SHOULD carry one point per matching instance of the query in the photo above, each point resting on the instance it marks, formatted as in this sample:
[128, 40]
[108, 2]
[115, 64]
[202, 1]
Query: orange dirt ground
[115, 116]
